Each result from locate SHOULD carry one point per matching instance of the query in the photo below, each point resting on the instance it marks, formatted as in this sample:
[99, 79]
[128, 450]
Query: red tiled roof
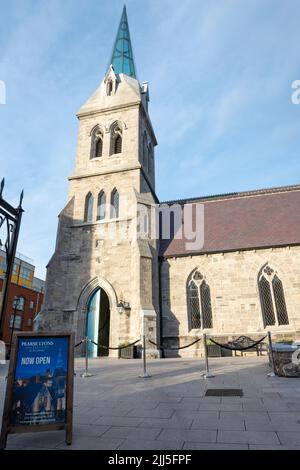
[238, 221]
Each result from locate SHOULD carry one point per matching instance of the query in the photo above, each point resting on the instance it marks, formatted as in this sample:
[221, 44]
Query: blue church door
[97, 323]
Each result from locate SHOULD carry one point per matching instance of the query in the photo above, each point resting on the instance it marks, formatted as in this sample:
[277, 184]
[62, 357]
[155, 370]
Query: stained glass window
[199, 302]
[272, 298]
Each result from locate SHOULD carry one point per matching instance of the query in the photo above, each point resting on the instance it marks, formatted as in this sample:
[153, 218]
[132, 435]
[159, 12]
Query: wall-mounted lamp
[123, 306]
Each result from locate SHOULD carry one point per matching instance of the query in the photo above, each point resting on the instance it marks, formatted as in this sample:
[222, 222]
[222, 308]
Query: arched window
[99, 148]
[101, 206]
[109, 88]
[116, 139]
[272, 298]
[96, 143]
[88, 208]
[114, 204]
[199, 302]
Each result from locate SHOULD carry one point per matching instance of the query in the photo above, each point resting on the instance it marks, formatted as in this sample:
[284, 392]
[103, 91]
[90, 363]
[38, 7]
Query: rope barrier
[226, 346]
[80, 342]
[114, 349]
[176, 349]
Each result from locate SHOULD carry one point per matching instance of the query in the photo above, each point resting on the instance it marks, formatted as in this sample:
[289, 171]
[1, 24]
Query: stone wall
[233, 281]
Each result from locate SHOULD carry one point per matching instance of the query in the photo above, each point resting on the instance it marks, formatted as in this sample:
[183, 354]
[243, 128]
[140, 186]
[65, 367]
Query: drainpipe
[160, 261]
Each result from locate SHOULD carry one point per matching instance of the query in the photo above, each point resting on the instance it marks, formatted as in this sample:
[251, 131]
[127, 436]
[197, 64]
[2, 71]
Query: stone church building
[107, 281]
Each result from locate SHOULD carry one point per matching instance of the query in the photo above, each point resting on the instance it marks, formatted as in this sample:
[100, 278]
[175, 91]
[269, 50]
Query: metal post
[207, 374]
[86, 373]
[10, 218]
[17, 301]
[145, 375]
[271, 357]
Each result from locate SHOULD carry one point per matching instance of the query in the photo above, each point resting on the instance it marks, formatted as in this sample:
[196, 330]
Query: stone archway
[85, 296]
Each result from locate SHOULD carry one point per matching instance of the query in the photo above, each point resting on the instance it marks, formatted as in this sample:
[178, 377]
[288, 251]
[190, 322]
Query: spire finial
[122, 56]
[21, 199]
[1, 187]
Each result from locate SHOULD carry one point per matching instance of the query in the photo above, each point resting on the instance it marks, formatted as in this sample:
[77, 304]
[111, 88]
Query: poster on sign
[39, 391]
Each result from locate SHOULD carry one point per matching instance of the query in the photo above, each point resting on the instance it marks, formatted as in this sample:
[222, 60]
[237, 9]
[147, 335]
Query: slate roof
[244, 220]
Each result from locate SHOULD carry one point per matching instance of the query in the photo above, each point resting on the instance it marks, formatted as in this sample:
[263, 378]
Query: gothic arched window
[109, 88]
[101, 206]
[116, 139]
[272, 298]
[96, 143]
[199, 302]
[114, 204]
[88, 208]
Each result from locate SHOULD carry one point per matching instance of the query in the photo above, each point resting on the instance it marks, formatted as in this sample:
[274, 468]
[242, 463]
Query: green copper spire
[122, 56]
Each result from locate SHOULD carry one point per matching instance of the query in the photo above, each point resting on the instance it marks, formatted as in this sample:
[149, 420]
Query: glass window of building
[18, 322]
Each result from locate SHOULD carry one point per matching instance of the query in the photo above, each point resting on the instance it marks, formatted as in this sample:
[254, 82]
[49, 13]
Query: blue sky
[220, 75]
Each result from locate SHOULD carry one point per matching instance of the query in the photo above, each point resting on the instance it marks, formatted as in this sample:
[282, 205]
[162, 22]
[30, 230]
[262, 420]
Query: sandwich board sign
[39, 391]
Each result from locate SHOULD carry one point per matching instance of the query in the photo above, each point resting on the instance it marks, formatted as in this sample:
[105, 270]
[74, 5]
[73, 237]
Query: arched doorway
[98, 322]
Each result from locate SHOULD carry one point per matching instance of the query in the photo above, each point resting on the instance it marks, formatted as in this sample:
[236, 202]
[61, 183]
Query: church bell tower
[102, 280]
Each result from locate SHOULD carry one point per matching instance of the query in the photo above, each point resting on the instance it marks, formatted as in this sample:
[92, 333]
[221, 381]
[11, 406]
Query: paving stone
[178, 406]
[223, 423]
[180, 414]
[220, 406]
[247, 437]
[245, 415]
[211, 400]
[138, 444]
[288, 417]
[118, 421]
[199, 446]
[132, 433]
[88, 443]
[89, 430]
[138, 403]
[44, 439]
[175, 423]
[293, 406]
[195, 435]
[254, 407]
[289, 437]
[157, 413]
[265, 447]
[172, 399]
[259, 425]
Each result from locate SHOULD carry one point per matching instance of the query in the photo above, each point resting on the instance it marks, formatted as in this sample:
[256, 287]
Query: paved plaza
[115, 409]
